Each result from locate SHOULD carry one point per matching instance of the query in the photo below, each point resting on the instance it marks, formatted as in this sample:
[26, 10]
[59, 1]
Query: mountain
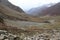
[46, 10]
[10, 13]
[7, 13]
[52, 11]
[10, 5]
[37, 10]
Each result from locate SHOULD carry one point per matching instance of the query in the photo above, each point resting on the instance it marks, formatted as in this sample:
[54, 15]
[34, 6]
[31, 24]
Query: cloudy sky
[28, 4]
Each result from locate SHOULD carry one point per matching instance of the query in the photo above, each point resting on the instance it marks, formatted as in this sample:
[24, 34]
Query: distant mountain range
[36, 11]
[46, 10]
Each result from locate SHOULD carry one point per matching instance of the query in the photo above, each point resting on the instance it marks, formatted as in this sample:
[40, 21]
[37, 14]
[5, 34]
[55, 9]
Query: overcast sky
[28, 4]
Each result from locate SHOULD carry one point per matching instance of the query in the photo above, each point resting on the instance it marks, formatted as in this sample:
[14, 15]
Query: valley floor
[25, 30]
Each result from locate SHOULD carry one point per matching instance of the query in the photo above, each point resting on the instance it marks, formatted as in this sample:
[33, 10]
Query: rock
[16, 38]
